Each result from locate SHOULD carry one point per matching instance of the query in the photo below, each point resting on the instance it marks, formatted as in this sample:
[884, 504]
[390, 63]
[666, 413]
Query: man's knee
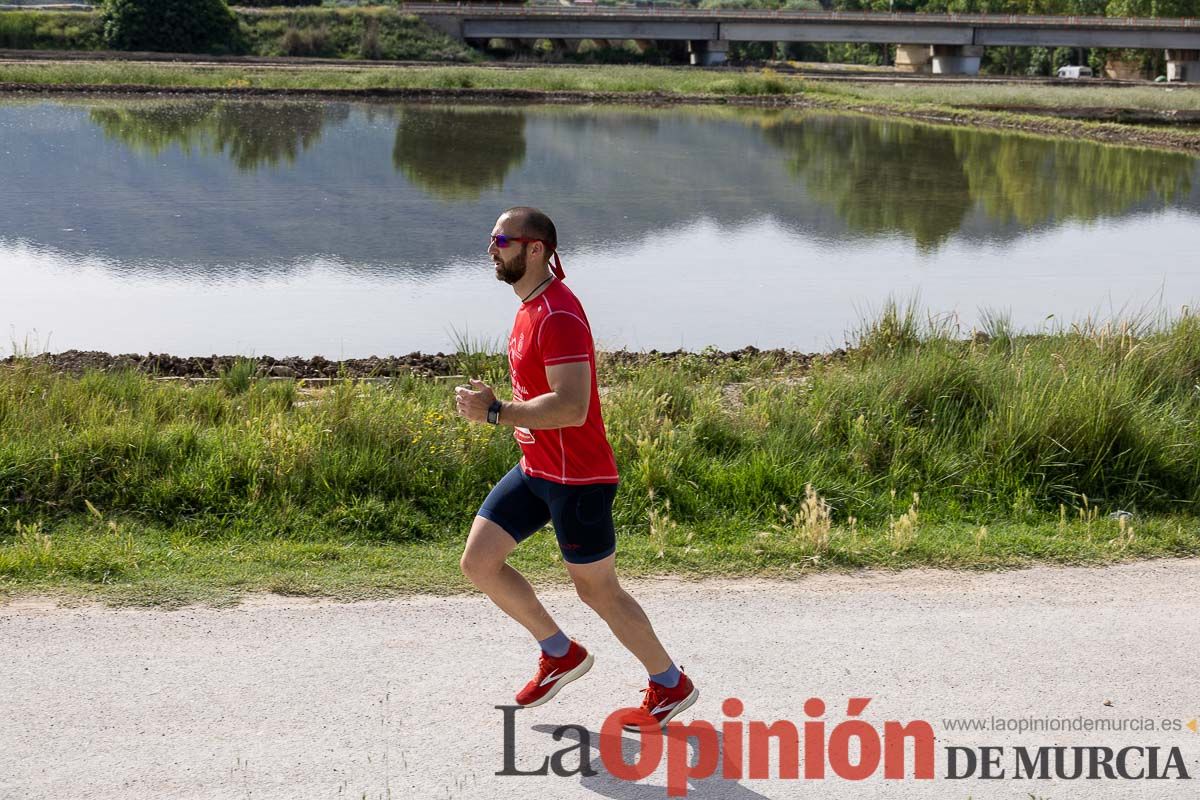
[477, 567]
[600, 597]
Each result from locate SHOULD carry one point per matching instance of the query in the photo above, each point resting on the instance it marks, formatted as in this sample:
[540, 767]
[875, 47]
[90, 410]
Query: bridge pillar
[952, 59]
[913, 57]
[1183, 65]
[708, 54]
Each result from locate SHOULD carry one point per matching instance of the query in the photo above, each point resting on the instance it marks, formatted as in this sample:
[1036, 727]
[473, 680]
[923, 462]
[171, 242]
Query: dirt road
[289, 698]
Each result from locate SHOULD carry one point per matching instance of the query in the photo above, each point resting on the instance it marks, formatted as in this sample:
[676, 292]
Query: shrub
[45, 30]
[304, 42]
[275, 3]
[173, 26]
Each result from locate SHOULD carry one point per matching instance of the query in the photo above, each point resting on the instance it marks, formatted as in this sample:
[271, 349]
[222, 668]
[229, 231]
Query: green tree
[1153, 8]
[172, 26]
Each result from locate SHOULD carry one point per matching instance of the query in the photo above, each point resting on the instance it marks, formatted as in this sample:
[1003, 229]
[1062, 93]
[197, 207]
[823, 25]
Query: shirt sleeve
[564, 339]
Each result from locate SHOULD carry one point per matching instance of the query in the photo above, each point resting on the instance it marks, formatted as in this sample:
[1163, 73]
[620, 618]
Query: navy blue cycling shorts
[582, 515]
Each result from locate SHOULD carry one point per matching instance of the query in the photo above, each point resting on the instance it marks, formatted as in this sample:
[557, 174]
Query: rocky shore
[76, 362]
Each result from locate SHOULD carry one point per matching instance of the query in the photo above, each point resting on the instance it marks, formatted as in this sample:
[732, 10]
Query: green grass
[132, 562]
[608, 79]
[150, 490]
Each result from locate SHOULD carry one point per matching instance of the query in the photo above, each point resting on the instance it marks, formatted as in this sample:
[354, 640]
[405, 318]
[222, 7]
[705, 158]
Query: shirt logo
[517, 348]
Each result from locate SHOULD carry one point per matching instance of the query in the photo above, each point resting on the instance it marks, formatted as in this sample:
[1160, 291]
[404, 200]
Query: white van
[1074, 72]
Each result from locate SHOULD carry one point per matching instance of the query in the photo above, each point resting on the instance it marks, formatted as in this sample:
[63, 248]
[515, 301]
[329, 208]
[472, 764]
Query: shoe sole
[567, 677]
[684, 705]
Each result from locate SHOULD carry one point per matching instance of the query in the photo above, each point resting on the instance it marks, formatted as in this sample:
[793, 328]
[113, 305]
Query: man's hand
[474, 403]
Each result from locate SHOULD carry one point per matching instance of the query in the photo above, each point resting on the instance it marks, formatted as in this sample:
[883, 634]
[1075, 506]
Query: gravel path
[290, 698]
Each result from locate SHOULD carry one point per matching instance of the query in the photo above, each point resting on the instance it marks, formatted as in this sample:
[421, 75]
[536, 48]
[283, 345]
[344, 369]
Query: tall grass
[478, 356]
[983, 431]
[920, 448]
[239, 377]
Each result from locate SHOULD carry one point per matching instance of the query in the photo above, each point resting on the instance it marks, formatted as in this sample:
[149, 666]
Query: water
[346, 230]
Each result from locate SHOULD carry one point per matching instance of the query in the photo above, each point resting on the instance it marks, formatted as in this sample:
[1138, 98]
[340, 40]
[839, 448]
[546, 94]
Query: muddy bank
[77, 362]
[1125, 116]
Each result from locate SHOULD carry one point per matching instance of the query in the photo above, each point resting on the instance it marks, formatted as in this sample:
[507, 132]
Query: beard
[513, 271]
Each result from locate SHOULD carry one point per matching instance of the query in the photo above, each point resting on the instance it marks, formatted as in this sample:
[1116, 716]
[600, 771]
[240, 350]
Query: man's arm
[564, 406]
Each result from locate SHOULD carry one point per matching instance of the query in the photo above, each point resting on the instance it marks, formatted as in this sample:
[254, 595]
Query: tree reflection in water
[1032, 181]
[889, 176]
[458, 153]
[252, 134]
[879, 176]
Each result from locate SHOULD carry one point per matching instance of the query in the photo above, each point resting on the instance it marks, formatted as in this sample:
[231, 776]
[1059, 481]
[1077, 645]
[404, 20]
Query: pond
[272, 227]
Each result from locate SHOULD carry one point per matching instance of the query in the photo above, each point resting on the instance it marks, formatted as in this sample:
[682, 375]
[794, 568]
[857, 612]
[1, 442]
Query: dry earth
[292, 698]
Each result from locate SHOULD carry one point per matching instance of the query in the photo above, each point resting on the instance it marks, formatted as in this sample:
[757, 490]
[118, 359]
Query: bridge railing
[500, 9]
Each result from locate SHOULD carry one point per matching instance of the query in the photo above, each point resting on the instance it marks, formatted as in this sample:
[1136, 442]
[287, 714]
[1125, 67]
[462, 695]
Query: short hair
[534, 225]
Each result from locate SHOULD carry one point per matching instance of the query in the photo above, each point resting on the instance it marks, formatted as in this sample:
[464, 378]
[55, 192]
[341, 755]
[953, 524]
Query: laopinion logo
[853, 749]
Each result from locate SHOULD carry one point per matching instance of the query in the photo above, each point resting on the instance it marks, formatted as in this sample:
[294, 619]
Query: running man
[567, 474]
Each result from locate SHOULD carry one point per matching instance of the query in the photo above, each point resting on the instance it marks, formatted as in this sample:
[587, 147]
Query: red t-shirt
[552, 329]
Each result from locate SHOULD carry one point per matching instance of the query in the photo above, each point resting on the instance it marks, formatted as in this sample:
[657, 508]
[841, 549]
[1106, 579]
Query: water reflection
[224, 189]
[1031, 181]
[457, 154]
[250, 134]
[880, 176]
[885, 176]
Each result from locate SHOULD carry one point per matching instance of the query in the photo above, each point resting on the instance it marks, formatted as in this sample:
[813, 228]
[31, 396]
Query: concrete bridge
[938, 43]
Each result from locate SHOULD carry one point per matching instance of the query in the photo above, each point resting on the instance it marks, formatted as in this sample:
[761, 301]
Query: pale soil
[296, 698]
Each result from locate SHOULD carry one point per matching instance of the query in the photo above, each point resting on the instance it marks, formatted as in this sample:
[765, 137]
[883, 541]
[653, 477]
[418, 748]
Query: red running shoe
[555, 673]
[660, 705]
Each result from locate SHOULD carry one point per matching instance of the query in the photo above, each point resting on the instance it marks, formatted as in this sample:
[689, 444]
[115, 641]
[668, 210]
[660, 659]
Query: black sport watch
[493, 415]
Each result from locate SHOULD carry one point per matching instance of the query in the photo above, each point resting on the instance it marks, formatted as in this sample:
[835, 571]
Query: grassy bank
[603, 80]
[920, 450]
[352, 33]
